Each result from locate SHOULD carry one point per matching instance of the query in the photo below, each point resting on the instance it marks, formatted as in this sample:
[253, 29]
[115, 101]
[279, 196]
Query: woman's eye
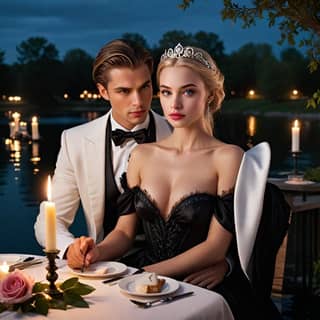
[189, 92]
[165, 92]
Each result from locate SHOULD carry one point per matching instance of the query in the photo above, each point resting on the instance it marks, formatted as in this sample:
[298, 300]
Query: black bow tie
[119, 136]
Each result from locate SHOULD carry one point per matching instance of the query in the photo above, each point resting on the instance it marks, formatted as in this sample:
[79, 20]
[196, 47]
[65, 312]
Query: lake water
[24, 166]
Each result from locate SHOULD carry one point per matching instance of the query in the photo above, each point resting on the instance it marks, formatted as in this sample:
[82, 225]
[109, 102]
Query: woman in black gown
[181, 188]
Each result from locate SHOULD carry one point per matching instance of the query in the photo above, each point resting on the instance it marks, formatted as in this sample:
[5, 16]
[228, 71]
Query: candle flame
[296, 124]
[49, 188]
[16, 115]
[4, 267]
[34, 119]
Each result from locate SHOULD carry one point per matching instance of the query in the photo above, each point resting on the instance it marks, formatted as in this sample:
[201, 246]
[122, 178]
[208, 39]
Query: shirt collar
[116, 125]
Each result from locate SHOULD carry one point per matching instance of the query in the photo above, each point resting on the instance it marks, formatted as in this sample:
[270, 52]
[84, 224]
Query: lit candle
[251, 126]
[295, 142]
[12, 126]
[50, 218]
[16, 118]
[35, 128]
[4, 270]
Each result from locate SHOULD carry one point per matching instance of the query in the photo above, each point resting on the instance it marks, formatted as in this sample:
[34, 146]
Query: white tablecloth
[107, 302]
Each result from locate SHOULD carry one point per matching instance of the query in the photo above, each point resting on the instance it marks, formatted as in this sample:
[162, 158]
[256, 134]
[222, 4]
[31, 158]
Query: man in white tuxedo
[94, 155]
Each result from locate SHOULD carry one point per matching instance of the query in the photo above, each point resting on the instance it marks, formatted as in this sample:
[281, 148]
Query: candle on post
[35, 129]
[251, 126]
[16, 119]
[295, 132]
[50, 220]
[12, 127]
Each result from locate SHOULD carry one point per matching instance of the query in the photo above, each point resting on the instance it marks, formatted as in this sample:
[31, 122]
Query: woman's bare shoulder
[226, 153]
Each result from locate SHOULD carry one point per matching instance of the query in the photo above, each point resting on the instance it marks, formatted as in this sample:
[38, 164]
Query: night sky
[88, 25]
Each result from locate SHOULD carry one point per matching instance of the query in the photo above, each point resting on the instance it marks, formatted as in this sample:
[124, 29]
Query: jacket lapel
[94, 148]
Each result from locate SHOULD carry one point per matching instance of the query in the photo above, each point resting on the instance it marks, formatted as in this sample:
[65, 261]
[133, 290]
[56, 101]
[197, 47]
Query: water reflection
[25, 165]
[251, 130]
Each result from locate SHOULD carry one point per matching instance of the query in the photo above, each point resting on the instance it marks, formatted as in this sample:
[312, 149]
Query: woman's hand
[209, 277]
[82, 250]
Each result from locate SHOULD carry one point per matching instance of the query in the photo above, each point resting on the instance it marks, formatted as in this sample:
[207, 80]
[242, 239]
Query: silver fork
[162, 300]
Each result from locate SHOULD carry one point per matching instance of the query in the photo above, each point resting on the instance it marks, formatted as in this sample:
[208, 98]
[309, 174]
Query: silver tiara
[185, 52]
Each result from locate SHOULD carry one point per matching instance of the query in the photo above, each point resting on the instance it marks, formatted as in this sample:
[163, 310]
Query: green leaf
[314, 175]
[41, 304]
[311, 103]
[27, 307]
[58, 304]
[69, 283]
[81, 289]
[39, 287]
[75, 300]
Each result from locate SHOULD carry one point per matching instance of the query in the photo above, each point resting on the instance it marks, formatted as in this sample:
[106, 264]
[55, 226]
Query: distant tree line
[298, 22]
[40, 77]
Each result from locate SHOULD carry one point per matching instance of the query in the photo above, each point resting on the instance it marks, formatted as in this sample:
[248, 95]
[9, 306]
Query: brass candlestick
[52, 276]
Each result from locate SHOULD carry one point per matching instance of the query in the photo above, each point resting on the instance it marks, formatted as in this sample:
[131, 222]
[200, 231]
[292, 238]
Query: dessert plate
[96, 270]
[128, 285]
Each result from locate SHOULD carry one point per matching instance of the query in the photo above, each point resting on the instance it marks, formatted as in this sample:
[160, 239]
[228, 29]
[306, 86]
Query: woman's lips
[176, 116]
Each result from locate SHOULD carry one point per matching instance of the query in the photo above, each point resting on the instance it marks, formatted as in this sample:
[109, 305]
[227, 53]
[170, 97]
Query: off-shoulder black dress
[186, 226]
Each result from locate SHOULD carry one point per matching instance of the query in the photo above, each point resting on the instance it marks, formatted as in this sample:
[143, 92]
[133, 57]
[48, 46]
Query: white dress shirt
[122, 152]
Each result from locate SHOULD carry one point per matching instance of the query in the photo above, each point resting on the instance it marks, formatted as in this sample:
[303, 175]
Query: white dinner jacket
[80, 176]
[248, 199]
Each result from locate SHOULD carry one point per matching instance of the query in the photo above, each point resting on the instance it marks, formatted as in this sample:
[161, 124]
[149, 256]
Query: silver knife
[115, 280]
[23, 265]
[162, 300]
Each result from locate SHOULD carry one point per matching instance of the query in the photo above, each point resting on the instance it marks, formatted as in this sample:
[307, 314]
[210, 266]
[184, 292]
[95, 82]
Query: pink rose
[16, 287]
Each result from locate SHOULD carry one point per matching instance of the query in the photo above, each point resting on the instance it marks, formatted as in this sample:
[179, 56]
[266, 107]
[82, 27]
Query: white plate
[128, 285]
[302, 182]
[10, 258]
[114, 268]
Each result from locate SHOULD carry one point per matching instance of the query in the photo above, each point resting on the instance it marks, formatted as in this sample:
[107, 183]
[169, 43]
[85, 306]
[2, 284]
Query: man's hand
[209, 277]
[82, 250]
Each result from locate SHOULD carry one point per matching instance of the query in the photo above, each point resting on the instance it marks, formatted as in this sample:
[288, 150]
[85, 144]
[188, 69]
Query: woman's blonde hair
[202, 63]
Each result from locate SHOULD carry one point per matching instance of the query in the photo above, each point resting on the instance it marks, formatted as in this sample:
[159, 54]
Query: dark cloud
[89, 24]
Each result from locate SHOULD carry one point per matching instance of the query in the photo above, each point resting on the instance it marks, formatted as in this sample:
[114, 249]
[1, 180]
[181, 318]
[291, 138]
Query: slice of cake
[149, 283]
[101, 271]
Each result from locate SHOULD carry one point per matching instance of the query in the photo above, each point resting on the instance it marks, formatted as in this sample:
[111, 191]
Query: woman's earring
[208, 107]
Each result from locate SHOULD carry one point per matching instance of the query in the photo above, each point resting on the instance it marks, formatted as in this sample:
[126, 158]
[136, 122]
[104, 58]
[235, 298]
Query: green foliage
[185, 4]
[36, 49]
[208, 41]
[294, 19]
[77, 67]
[1, 56]
[314, 100]
[136, 37]
[71, 292]
[314, 175]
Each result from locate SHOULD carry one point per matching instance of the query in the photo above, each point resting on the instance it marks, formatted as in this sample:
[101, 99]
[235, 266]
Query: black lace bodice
[186, 226]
